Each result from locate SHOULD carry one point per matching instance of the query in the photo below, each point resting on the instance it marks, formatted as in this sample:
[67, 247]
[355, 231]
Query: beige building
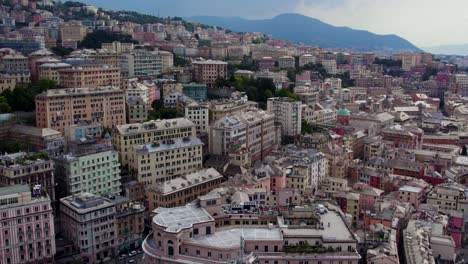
[118, 46]
[60, 108]
[167, 159]
[88, 222]
[98, 56]
[183, 190]
[137, 110]
[352, 206]
[330, 66]
[73, 31]
[198, 113]
[306, 59]
[247, 136]
[50, 71]
[89, 76]
[124, 137]
[222, 108]
[288, 113]
[167, 60]
[449, 196]
[7, 82]
[286, 62]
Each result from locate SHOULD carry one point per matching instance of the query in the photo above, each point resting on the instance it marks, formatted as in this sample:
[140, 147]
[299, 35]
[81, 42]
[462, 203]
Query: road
[137, 258]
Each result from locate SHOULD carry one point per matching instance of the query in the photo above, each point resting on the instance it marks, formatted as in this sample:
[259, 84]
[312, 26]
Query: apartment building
[330, 66]
[167, 159]
[137, 110]
[118, 46]
[88, 221]
[51, 70]
[198, 113]
[28, 234]
[129, 221]
[221, 108]
[60, 108]
[183, 190]
[90, 167]
[73, 31]
[251, 131]
[16, 65]
[7, 82]
[92, 75]
[449, 196]
[288, 113]
[208, 71]
[141, 63]
[36, 139]
[124, 137]
[286, 62]
[98, 56]
[306, 59]
[83, 129]
[30, 169]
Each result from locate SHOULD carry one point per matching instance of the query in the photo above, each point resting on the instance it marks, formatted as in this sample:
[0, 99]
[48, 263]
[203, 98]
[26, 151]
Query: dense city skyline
[128, 138]
[415, 21]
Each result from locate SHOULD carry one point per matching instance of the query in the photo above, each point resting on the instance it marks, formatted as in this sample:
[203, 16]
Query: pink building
[455, 227]
[60, 108]
[412, 195]
[208, 71]
[368, 196]
[27, 232]
[203, 233]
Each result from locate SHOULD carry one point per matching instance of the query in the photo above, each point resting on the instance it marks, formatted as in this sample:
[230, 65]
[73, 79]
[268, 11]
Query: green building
[196, 91]
[91, 168]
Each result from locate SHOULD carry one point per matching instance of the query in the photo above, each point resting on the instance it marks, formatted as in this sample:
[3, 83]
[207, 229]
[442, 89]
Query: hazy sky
[425, 23]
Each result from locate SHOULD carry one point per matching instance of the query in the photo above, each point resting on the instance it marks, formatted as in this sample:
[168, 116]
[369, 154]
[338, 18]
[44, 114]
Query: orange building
[61, 108]
[208, 71]
[90, 76]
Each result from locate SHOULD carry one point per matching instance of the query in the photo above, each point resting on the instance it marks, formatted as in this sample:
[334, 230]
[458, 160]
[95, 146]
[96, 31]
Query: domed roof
[343, 112]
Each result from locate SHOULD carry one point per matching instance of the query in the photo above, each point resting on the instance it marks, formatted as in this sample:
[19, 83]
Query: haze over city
[426, 23]
[222, 132]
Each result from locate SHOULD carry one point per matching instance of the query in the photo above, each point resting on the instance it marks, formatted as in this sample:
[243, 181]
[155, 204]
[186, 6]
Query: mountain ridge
[298, 28]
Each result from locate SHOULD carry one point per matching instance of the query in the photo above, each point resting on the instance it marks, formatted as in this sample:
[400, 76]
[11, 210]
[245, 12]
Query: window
[195, 231]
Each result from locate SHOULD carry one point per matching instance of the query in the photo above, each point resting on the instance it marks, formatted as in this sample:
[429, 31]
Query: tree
[61, 51]
[4, 106]
[95, 39]
[180, 62]
[258, 40]
[306, 128]
[286, 93]
[204, 42]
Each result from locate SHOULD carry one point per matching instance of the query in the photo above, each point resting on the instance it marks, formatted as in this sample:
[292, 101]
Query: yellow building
[165, 160]
[125, 137]
[73, 31]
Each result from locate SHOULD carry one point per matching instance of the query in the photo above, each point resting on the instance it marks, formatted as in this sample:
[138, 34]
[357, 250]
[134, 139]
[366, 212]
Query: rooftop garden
[308, 249]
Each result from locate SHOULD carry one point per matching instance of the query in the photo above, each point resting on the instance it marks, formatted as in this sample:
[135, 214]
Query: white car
[131, 261]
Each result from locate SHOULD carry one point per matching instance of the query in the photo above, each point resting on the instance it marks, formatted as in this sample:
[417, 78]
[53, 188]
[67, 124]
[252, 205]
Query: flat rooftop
[164, 146]
[334, 228]
[227, 238]
[175, 219]
[154, 125]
